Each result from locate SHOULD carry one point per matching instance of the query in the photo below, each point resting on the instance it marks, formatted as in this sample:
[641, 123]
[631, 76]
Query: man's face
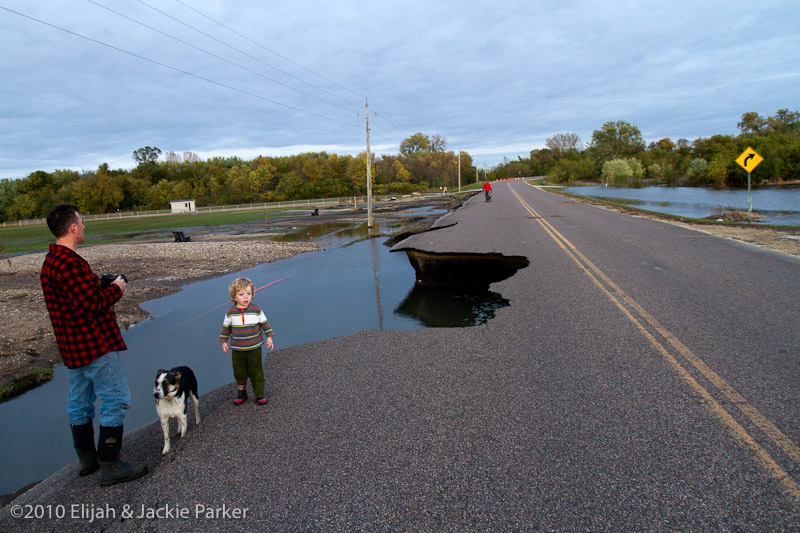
[79, 229]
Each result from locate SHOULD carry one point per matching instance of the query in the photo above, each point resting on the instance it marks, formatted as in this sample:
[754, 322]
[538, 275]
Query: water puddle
[353, 285]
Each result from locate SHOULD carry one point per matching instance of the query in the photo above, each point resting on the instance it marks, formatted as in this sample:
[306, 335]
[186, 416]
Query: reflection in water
[334, 233]
[376, 280]
[312, 233]
[309, 297]
[449, 308]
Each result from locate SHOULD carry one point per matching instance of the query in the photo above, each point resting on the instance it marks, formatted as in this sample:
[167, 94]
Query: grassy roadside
[20, 239]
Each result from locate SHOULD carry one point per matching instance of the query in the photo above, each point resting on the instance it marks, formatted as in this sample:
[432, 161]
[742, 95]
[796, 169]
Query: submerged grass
[625, 205]
[11, 388]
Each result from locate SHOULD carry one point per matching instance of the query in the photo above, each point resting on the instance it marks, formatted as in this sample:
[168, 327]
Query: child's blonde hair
[239, 284]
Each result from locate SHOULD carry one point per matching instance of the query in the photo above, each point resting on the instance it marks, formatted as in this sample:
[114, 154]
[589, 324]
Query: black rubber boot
[112, 470]
[83, 439]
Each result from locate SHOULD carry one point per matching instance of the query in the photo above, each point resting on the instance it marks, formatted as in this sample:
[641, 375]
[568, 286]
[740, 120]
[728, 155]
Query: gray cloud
[495, 79]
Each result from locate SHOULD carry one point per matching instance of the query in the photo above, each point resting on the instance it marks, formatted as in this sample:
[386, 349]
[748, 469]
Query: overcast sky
[84, 85]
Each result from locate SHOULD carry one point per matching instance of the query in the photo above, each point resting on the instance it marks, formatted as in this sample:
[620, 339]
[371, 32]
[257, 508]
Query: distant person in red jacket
[89, 339]
[487, 190]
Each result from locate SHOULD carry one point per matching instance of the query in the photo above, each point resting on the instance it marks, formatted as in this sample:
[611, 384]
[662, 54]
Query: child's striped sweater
[245, 328]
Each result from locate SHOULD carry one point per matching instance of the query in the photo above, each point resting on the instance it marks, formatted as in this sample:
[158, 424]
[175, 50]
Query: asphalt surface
[644, 377]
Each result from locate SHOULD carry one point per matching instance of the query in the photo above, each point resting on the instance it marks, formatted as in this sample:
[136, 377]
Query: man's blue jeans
[102, 378]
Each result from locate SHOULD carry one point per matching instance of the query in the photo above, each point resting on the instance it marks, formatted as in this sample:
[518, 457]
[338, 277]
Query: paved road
[644, 377]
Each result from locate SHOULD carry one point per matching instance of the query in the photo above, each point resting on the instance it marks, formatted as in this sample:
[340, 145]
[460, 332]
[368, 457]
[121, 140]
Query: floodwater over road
[776, 204]
[352, 285]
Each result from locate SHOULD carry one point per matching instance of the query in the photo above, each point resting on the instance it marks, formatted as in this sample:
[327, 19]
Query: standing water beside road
[352, 286]
[775, 204]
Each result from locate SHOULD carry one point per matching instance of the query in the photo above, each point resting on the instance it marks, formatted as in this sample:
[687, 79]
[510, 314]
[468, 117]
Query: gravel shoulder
[153, 270]
[157, 269]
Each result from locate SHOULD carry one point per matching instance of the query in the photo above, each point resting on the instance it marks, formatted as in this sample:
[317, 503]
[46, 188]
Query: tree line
[616, 155]
[423, 163]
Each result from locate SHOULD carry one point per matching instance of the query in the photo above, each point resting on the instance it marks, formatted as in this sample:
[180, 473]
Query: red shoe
[261, 401]
[240, 398]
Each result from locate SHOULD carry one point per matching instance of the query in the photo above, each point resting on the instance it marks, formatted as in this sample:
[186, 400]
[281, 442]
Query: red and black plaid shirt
[81, 312]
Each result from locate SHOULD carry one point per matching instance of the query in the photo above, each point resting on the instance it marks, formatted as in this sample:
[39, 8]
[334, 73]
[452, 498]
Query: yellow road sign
[749, 159]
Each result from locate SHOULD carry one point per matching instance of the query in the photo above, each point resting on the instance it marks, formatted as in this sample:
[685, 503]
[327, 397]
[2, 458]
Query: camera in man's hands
[108, 279]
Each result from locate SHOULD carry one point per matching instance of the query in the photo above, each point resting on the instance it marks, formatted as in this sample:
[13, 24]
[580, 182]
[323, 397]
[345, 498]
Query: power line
[175, 68]
[392, 121]
[215, 55]
[242, 52]
[401, 126]
[269, 50]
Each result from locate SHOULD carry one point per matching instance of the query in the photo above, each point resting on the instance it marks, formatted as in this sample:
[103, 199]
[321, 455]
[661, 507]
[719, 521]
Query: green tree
[707, 148]
[616, 172]
[561, 143]
[356, 174]
[160, 195]
[664, 145]
[218, 193]
[718, 171]
[637, 171]
[63, 178]
[98, 192]
[541, 162]
[38, 187]
[655, 172]
[22, 208]
[135, 192]
[262, 181]
[8, 191]
[784, 121]
[146, 155]
[415, 143]
[785, 152]
[422, 143]
[570, 169]
[181, 190]
[615, 140]
[290, 187]
[751, 123]
[512, 169]
[697, 171]
[438, 143]
[400, 173]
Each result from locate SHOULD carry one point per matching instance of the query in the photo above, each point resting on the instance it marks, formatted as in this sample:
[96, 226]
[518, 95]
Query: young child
[245, 325]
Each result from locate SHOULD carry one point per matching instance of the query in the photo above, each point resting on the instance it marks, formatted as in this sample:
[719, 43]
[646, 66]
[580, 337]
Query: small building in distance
[183, 206]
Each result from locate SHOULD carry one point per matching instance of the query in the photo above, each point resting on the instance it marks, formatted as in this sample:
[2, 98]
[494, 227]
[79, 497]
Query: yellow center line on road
[740, 433]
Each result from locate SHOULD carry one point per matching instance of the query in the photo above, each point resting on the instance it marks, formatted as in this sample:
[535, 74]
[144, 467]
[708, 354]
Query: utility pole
[459, 171]
[369, 174]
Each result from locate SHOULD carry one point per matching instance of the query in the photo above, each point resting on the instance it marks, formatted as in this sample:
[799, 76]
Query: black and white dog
[172, 392]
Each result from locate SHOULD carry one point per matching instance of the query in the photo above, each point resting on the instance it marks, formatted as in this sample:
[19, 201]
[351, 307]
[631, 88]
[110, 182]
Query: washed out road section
[557, 414]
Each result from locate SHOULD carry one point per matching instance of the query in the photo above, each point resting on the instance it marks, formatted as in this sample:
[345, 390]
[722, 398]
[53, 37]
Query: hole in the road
[452, 290]
[463, 270]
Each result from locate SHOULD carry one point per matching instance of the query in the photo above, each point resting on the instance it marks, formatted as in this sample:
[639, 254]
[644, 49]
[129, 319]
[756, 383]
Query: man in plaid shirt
[89, 340]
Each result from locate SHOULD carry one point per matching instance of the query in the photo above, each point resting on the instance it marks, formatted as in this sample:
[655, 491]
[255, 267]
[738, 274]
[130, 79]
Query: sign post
[749, 160]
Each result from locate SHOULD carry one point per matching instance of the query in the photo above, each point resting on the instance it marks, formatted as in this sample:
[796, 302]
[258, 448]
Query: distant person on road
[89, 340]
[487, 191]
[245, 327]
